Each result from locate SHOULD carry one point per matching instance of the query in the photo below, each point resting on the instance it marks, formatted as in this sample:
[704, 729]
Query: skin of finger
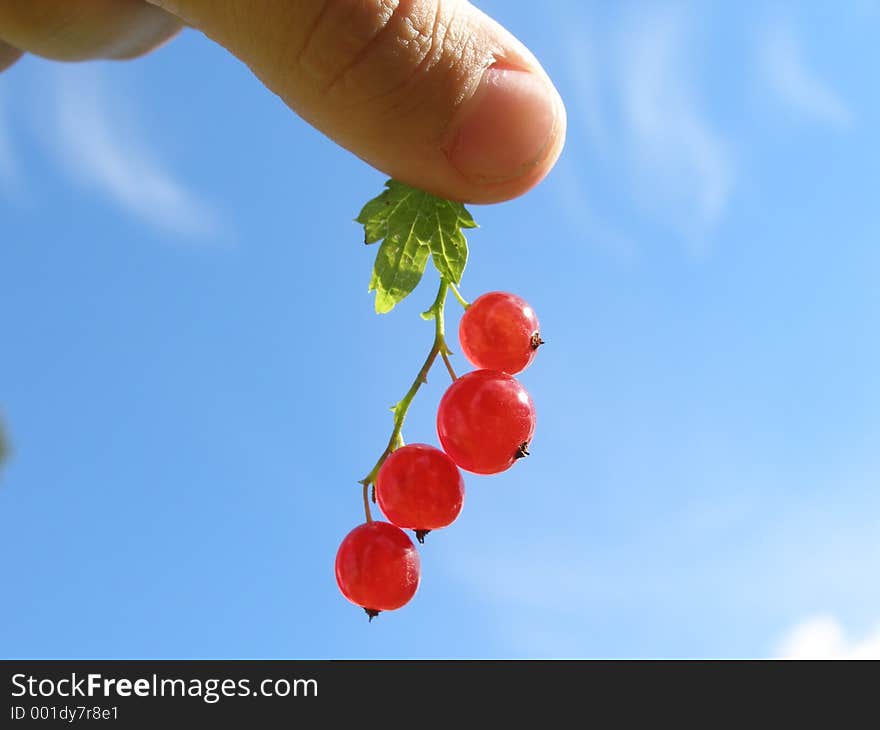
[8, 55]
[78, 30]
[383, 78]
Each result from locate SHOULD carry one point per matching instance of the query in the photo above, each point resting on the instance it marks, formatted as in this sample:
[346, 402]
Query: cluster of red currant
[485, 422]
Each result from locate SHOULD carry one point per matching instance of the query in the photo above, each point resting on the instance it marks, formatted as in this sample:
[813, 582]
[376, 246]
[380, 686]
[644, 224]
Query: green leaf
[412, 225]
[397, 271]
[449, 247]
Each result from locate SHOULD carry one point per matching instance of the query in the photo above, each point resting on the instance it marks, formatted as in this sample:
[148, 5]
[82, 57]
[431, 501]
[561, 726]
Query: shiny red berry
[485, 421]
[499, 331]
[377, 567]
[420, 488]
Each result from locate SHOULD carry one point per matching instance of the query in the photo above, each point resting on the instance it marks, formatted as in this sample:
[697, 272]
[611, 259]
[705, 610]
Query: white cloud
[822, 637]
[682, 161]
[786, 72]
[102, 151]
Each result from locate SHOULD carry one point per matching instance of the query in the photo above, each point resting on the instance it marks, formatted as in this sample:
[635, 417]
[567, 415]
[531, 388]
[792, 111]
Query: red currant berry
[485, 421]
[420, 488]
[377, 567]
[499, 331]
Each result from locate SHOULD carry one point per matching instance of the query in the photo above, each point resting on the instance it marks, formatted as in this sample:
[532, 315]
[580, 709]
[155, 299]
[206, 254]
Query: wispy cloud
[643, 118]
[823, 637]
[583, 53]
[699, 576]
[679, 156]
[9, 169]
[799, 87]
[103, 151]
[574, 196]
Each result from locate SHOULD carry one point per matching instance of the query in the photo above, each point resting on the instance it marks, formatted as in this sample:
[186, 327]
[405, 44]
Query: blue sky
[194, 379]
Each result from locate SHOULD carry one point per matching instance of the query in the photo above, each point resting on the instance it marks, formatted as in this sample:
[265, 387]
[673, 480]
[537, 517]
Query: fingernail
[506, 128]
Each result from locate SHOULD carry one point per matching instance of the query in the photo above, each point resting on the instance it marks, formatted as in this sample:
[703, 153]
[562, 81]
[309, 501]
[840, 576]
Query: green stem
[461, 300]
[449, 369]
[367, 505]
[439, 347]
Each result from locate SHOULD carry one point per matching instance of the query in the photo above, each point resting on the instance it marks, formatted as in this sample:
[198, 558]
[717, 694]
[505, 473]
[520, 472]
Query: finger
[8, 55]
[76, 30]
[432, 92]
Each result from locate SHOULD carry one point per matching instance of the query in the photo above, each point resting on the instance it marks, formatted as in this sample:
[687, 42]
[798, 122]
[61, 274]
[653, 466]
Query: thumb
[432, 92]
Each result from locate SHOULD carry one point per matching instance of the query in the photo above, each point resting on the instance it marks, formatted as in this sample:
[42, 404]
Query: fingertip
[507, 136]
[502, 152]
[503, 142]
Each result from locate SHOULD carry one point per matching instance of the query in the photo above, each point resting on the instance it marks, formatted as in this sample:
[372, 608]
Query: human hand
[432, 92]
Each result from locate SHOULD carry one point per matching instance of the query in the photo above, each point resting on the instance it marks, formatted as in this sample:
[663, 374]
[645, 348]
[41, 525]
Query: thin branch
[438, 347]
